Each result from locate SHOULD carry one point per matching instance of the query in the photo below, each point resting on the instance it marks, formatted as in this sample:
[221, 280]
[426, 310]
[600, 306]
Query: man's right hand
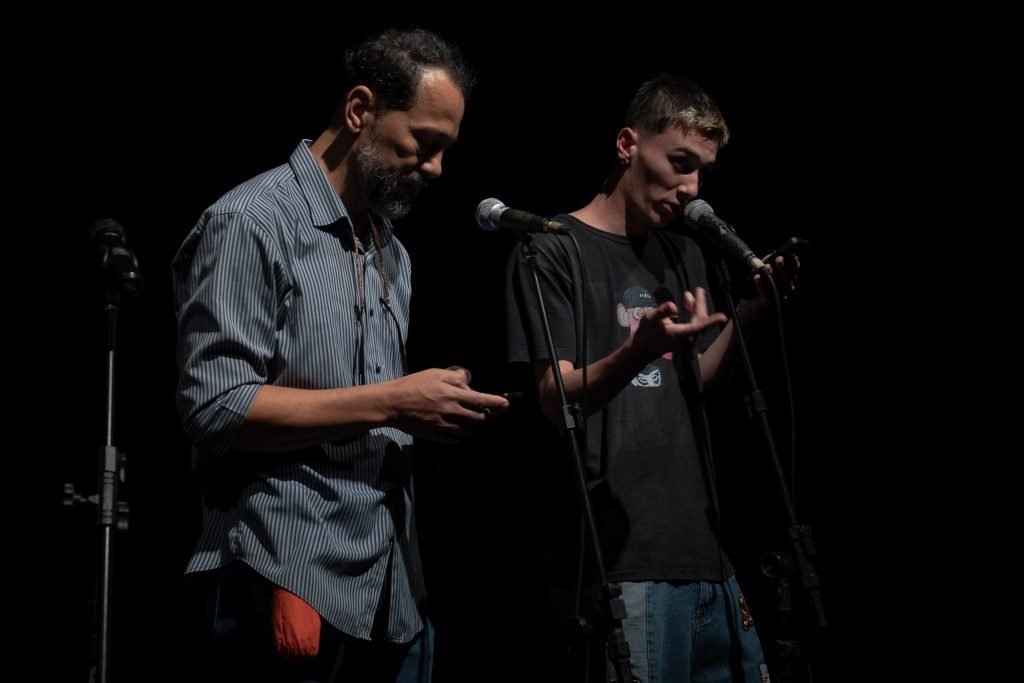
[658, 334]
[439, 405]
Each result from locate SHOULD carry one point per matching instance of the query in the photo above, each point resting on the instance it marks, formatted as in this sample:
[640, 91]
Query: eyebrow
[694, 158]
[433, 136]
[686, 151]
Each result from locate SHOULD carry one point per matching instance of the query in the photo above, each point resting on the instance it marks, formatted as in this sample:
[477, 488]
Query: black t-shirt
[649, 482]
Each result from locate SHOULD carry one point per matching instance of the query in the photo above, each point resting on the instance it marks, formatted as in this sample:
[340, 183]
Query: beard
[388, 191]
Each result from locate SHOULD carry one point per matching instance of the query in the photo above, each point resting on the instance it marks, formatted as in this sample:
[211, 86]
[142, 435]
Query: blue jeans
[691, 632]
[419, 662]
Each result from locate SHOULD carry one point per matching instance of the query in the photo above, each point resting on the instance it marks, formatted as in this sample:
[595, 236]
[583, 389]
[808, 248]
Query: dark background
[149, 131]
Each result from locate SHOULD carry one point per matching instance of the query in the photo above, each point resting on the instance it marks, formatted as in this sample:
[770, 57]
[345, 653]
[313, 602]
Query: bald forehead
[438, 105]
[437, 90]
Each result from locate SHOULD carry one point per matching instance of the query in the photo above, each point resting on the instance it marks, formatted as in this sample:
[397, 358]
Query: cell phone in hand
[745, 289]
[792, 244]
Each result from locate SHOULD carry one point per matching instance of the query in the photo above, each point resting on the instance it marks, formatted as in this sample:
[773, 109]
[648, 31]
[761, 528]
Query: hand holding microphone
[699, 215]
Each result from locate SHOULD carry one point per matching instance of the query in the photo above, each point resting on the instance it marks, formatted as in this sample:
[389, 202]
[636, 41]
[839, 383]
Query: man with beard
[292, 299]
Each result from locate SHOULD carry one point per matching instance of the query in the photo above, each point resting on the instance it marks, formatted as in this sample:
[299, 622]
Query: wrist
[747, 312]
[634, 357]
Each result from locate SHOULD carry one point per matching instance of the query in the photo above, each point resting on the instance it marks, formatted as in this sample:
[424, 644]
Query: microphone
[699, 215]
[492, 214]
[116, 260]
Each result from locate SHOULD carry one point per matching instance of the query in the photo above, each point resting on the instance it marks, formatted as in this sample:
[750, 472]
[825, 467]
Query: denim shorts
[691, 632]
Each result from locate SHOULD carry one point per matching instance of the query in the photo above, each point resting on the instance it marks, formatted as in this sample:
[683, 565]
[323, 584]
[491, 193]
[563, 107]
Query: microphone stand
[111, 513]
[611, 608]
[797, 561]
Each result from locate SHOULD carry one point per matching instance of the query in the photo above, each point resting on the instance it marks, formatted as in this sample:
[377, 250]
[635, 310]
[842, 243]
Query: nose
[689, 187]
[431, 166]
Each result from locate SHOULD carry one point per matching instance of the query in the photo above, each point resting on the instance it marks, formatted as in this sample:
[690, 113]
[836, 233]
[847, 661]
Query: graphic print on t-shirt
[635, 302]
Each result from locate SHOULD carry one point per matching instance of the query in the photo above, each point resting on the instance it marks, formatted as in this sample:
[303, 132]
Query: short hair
[668, 100]
[392, 63]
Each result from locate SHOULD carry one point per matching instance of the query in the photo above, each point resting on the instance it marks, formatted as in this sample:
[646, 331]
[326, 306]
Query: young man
[652, 346]
[292, 297]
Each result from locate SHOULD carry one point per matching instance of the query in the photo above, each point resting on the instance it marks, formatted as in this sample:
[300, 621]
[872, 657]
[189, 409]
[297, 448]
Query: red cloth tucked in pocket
[296, 626]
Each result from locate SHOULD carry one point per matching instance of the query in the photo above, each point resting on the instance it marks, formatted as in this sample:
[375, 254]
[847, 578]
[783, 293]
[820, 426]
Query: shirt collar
[325, 206]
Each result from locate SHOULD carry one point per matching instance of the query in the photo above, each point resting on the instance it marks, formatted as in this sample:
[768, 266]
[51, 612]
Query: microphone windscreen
[697, 209]
[484, 213]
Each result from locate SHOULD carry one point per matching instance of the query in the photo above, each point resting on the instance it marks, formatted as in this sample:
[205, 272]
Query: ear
[357, 109]
[625, 144]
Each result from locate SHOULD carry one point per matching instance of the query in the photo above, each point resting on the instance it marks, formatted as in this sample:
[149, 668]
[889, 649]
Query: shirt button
[378, 369]
[371, 312]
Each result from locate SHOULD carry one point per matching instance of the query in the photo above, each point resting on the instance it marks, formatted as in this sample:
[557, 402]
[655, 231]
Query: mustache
[413, 183]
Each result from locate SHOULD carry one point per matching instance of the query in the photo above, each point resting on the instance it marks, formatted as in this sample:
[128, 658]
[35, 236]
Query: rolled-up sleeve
[229, 284]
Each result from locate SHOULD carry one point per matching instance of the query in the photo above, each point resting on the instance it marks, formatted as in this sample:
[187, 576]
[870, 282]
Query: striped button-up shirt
[267, 291]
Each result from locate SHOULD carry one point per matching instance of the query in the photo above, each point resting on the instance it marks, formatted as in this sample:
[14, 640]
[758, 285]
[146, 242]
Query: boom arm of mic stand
[802, 545]
[610, 595]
